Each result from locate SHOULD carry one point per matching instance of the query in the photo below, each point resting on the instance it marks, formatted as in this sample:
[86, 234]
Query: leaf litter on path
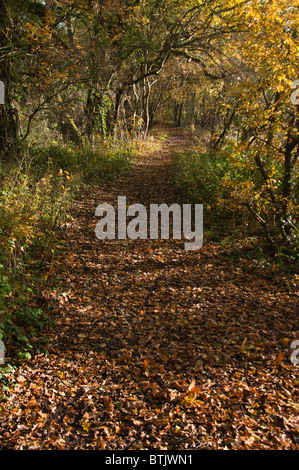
[156, 347]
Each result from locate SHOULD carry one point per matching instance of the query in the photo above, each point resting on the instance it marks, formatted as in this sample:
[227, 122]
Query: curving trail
[156, 347]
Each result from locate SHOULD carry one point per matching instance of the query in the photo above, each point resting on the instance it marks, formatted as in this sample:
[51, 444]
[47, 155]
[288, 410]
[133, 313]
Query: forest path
[156, 347]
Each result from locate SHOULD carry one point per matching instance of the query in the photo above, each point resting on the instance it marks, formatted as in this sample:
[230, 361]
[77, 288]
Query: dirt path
[156, 347]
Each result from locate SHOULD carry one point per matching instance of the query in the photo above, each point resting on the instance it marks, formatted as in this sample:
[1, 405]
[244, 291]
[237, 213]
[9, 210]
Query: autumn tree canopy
[88, 70]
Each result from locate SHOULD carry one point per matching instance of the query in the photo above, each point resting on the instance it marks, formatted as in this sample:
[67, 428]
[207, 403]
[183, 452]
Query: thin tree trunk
[9, 122]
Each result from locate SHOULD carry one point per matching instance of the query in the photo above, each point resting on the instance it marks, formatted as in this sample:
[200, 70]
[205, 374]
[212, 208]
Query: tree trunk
[178, 109]
[9, 122]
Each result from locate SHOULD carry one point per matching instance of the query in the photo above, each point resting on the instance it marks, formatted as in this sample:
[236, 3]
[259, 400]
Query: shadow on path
[154, 347]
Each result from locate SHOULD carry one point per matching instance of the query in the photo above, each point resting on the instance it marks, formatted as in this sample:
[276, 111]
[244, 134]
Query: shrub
[236, 196]
[199, 175]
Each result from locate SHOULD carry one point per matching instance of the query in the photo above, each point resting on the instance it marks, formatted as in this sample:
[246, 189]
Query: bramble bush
[200, 175]
[229, 183]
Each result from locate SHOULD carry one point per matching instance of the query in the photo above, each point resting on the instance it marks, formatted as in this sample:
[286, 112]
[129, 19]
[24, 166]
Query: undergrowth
[222, 186]
[199, 176]
[35, 200]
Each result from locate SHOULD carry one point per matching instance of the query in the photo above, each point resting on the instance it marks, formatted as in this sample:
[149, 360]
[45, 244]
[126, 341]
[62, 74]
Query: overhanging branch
[200, 62]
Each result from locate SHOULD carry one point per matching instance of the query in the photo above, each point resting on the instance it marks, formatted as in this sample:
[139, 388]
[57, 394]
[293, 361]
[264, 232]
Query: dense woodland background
[92, 84]
[83, 74]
